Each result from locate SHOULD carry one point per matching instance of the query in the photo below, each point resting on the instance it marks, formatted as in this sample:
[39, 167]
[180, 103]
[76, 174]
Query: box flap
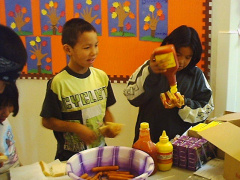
[226, 137]
[229, 117]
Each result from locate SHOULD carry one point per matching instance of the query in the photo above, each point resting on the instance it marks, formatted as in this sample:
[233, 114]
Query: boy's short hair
[10, 97]
[13, 55]
[185, 36]
[73, 28]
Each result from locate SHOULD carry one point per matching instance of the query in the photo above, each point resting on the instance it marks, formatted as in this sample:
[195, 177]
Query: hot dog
[96, 176]
[110, 172]
[119, 172]
[105, 168]
[118, 178]
[84, 176]
[170, 100]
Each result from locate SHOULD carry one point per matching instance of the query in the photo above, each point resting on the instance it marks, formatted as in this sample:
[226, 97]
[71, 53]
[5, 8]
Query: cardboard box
[193, 132]
[226, 137]
[194, 157]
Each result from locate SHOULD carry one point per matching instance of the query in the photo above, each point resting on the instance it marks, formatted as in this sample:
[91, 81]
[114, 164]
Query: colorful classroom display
[128, 31]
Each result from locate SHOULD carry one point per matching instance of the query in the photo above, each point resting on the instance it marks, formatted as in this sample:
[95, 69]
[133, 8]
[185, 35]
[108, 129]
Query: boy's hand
[111, 129]
[3, 158]
[87, 135]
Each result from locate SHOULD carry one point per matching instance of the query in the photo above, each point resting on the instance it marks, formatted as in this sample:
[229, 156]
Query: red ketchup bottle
[168, 52]
[145, 144]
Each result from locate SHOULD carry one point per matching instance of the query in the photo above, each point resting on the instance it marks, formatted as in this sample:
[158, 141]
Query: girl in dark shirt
[147, 83]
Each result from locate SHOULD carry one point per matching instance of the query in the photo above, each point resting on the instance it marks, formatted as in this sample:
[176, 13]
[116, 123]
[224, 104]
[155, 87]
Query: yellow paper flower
[147, 19]
[51, 4]
[44, 12]
[126, 8]
[115, 4]
[88, 2]
[114, 15]
[151, 8]
[13, 25]
[38, 39]
[32, 43]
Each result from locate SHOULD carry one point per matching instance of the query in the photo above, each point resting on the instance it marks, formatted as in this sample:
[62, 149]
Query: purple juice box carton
[183, 138]
[176, 145]
[192, 140]
[194, 157]
[208, 152]
[183, 154]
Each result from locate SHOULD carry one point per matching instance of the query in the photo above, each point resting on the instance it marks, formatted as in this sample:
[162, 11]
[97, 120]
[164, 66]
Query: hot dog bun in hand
[111, 129]
[55, 170]
[3, 158]
[171, 100]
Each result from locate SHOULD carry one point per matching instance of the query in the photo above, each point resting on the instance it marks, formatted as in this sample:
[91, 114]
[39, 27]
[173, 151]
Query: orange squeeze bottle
[168, 52]
[145, 144]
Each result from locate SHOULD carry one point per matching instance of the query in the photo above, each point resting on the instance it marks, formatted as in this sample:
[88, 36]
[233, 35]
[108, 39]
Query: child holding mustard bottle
[149, 81]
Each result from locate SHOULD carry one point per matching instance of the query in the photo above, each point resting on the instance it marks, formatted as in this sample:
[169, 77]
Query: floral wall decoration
[89, 10]
[18, 14]
[153, 19]
[52, 16]
[128, 31]
[122, 18]
[39, 57]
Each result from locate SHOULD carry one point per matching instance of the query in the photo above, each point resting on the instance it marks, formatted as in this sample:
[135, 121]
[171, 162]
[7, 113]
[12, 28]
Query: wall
[225, 56]
[117, 62]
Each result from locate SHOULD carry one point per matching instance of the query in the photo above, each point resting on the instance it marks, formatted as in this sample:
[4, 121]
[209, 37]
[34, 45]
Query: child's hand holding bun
[3, 158]
[111, 129]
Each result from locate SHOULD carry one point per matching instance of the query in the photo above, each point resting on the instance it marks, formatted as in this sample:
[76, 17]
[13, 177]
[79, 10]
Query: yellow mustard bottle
[165, 153]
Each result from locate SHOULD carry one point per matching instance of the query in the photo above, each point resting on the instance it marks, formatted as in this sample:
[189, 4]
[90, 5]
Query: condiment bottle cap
[164, 137]
[144, 125]
[173, 89]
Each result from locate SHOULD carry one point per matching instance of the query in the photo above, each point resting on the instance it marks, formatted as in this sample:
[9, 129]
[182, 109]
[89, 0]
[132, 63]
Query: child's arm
[198, 107]
[3, 158]
[108, 116]
[83, 132]
[110, 129]
[158, 67]
[141, 84]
